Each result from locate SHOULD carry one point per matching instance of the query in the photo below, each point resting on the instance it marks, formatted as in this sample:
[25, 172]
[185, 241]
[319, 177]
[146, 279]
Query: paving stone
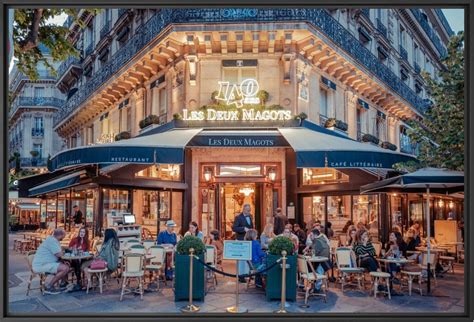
[28, 306]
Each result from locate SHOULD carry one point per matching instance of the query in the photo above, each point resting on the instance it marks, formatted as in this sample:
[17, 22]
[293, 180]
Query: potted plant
[149, 120]
[263, 96]
[389, 146]
[177, 116]
[273, 285]
[181, 279]
[370, 138]
[333, 124]
[34, 153]
[124, 135]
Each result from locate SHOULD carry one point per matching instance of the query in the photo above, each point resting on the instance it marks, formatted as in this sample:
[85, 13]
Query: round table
[76, 257]
[316, 259]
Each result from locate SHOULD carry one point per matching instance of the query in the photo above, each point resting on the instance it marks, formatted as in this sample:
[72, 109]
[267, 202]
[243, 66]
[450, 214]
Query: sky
[455, 18]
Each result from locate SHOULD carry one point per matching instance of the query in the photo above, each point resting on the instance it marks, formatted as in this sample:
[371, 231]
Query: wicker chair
[42, 276]
[347, 266]
[133, 269]
[211, 259]
[310, 278]
[156, 264]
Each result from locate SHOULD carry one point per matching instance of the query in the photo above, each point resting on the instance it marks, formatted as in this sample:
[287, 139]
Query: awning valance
[67, 181]
[165, 147]
[316, 149]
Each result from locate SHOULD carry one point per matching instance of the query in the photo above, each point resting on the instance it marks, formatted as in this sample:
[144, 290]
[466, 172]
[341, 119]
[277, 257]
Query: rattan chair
[310, 278]
[211, 260]
[133, 270]
[347, 266]
[157, 263]
[42, 276]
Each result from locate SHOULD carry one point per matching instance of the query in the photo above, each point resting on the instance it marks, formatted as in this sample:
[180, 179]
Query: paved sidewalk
[448, 296]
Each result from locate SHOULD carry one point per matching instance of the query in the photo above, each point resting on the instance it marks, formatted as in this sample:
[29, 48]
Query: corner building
[142, 72]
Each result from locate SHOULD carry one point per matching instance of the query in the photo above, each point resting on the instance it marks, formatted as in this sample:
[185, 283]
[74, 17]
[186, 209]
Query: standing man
[279, 222]
[77, 216]
[242, 224]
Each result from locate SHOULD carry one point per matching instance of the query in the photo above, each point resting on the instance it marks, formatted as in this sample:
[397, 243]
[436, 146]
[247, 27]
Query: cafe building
[190, 114]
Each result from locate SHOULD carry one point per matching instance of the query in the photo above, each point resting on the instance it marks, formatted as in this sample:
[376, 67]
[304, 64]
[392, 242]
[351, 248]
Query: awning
[165, 147]
[67, 181]
[316, 149]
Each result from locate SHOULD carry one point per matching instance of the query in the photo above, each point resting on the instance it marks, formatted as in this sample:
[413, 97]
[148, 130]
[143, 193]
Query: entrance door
[233, 196]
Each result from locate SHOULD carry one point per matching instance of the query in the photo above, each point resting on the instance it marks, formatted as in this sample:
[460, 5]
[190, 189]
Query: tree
[440, 134]
[31, 28]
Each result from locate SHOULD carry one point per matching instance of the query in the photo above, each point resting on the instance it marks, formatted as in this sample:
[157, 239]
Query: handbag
[98, 263]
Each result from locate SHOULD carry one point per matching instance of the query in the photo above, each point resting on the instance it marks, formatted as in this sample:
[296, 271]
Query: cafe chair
[347, 267]
[376, 281]
[42, 276]
[137, 249]
[343, 239]
[433, 260]
[410, 276]
[157, 262]
[310, 278]
[133, 270]
[129, 243]
[211, 260]
[448, 261]
[252, 270]
[148, 243]
[100, 274]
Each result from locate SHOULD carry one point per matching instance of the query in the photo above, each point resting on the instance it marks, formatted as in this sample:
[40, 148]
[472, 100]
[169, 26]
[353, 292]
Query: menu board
[237, 249]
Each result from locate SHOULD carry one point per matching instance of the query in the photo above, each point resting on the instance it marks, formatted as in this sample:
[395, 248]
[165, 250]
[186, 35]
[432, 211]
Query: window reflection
[313, 176]
[168, 172]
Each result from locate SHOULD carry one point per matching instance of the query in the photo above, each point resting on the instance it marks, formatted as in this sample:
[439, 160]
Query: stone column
[351, 101]
[137, 111]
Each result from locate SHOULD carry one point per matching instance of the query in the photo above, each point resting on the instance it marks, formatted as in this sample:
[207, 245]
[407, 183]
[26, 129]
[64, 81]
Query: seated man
[46, 260]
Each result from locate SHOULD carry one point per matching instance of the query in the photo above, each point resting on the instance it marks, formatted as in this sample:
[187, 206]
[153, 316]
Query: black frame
[469, 12]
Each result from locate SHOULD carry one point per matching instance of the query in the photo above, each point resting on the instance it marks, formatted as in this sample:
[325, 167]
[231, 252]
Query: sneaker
[63, 284]
[75, 288]
[51, 290]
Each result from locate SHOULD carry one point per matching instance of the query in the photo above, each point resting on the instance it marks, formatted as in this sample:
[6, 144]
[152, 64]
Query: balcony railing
[122, 11]
[322, 120]
[366, 12]
[381, 28]
[37, 132]
[35, 101]
[359, 135]
[66, 64]
[320, 18]
[403, 52]
[33, 162]
[430, 32]
[105, 30]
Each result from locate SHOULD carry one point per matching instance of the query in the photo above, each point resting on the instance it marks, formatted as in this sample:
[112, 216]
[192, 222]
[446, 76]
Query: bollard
[190, 308]
[237, 308]
[283, 285]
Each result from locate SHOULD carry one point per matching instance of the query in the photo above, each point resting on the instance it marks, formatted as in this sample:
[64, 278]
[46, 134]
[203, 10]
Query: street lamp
[272, 174]
[208, 175]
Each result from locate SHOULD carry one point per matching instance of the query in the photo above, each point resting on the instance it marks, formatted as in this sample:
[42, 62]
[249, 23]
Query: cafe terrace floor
[447, 297]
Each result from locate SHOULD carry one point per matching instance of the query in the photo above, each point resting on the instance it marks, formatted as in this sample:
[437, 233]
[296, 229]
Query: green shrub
[301, 116]
[190, 242]
[177, 116]
[279, 244]
[370, 138]
[34, 153]
[263, 96]
[388, 145]
[123, 136]
[333, 122]
[149, 120]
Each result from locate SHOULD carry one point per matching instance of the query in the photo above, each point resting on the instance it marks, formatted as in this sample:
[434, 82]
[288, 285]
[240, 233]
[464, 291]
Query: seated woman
[351, 236]
[109, 252]
[258, 255]
[267, 236]
[365, 251]
[194, 231]
[79, 243]
[216, 241]
[294, 239]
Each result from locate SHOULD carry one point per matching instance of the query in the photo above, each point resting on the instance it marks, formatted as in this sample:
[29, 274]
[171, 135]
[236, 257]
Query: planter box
[273, 285]
[181, 279]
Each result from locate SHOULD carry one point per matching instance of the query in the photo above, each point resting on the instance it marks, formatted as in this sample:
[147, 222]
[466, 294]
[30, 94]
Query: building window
[318, 176]
[359, 123]
[314, 208]
[38, 123]
[323, 102]
[159, 103]
[401, 37]
[339, 212]
[365, 209]
[129, 119]
[235, 75]
[168, 172]
[38, 92]
[406, 145]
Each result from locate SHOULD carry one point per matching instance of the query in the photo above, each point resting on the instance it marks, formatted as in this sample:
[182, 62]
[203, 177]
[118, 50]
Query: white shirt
[45, 252]
[199, 234]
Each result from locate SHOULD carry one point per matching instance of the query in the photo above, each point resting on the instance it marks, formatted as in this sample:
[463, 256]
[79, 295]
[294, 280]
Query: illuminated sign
[105, 138]
[238, 95]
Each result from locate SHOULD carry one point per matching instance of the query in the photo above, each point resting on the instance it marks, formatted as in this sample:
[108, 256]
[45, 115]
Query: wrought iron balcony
[68, 21]
[37, 132]
[89, 49]
[430, 32]
[33, 162]
[403, 52]
[381, 28]
[35, 102]
[66, 64]
[122, 11]
[105, 30]
[366, 12]
[320, 18]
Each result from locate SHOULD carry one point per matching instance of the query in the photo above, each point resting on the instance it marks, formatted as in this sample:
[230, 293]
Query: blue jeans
[320, 271]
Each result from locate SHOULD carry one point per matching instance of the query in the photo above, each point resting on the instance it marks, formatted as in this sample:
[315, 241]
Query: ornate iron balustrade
[381, 28]
[430, 32]
[403, 52]
[122, 11]
[366, 12]
[37, 132]
[66, 64]
[35, 101]
[320, 18]
[33, 162]
[105, 30]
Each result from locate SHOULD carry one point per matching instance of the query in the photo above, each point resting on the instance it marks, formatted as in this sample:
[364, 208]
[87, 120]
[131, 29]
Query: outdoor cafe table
[79, 258]
[400, 261]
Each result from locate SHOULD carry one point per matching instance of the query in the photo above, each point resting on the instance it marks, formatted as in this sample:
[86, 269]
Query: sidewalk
[448, 296]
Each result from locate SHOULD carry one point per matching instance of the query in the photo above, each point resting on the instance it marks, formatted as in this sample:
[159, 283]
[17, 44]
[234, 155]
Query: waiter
[242, 224]
[77, 217]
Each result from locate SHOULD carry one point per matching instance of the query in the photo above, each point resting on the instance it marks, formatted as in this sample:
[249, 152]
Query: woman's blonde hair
[268, 230]
[251, 234]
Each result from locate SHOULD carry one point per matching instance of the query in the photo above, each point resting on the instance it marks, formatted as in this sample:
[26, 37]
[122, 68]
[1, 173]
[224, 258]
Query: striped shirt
[360, 249]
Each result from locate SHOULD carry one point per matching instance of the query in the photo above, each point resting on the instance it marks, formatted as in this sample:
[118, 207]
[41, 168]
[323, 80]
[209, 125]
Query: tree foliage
[33, 27]
[440, 134]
